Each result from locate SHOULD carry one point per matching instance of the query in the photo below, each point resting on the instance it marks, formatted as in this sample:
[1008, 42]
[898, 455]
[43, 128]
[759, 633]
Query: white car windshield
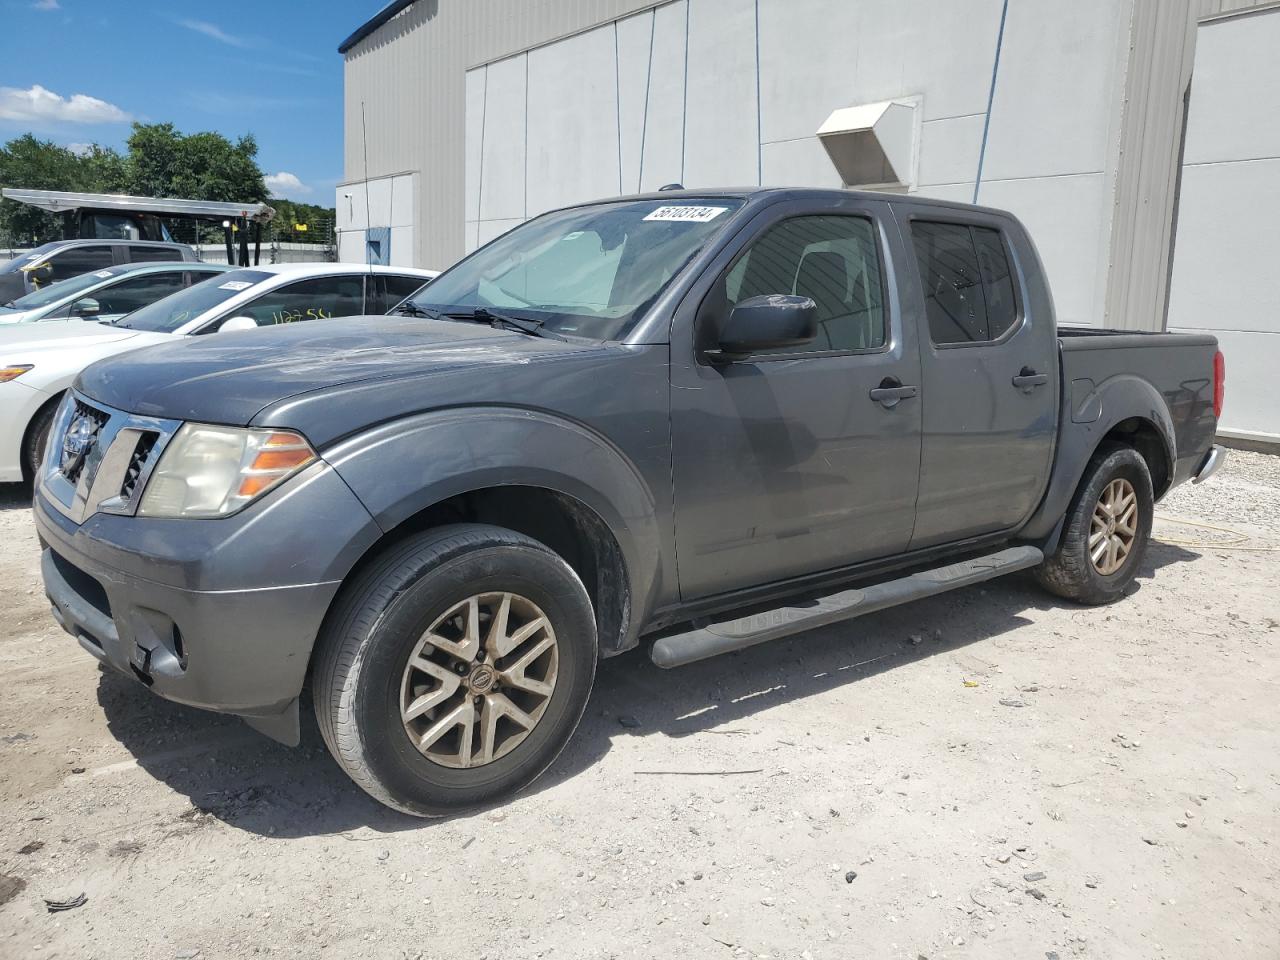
[167, 315]
[59, 291]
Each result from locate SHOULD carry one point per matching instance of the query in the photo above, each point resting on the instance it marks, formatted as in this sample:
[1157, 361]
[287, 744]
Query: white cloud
[284, 182]
[38, 104]
[80, 149]
[214, 31]
[46, 5]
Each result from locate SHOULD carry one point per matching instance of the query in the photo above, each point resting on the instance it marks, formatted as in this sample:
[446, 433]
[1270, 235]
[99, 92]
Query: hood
[65, 334]
[12, 315]
[230, 377]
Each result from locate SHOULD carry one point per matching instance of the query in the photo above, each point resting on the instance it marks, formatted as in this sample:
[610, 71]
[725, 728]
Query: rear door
[990, 377]
[786, 464]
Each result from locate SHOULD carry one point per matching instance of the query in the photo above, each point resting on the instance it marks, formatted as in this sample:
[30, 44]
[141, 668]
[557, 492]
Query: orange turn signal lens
[13, 372]
[280, 455]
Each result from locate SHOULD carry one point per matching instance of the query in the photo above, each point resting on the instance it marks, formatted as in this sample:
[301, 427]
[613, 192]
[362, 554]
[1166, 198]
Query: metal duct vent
[873, 145]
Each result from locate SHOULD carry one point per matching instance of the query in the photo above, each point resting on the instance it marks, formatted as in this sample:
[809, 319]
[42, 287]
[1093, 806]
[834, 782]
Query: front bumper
[219, 614]
[1212, 463]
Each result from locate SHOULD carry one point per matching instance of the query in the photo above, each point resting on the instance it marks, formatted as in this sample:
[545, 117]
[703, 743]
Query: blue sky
[78, 71]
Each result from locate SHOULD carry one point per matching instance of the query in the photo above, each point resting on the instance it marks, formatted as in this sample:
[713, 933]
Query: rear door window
[136, 292]
[144, 254]
[77, 260]
[397, 289]
[319, 298]
[966, 280]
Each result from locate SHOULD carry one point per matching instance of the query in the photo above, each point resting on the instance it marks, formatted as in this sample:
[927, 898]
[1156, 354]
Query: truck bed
[1179, 366]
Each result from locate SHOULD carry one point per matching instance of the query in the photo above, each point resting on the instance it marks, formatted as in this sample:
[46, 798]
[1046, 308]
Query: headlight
[209, 471]
[13, 372]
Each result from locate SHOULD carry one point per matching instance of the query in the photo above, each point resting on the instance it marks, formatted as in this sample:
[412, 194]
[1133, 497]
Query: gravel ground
[990, 773]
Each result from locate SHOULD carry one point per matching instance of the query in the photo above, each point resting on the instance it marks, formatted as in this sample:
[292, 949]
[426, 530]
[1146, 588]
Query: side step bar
[717, 638]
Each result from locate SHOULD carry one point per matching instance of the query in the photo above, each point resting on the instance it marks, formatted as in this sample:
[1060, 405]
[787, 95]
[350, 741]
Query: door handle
[1027, 380]
[891, 392]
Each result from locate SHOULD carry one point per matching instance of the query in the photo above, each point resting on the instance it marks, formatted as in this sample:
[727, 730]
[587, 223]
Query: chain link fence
[312, 242]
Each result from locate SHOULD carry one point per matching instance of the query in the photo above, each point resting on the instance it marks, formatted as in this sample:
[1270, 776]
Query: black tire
[374, 628]
[1070, 572]
[37, 435]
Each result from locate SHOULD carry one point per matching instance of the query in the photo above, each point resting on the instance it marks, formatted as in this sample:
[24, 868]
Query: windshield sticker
[235, 285]
[104, 274]
[689, 214]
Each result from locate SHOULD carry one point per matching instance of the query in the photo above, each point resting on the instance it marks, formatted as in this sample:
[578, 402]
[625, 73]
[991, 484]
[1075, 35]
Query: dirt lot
[987, 774]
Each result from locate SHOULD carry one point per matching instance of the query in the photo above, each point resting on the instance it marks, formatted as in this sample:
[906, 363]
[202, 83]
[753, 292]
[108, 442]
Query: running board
[729, 635]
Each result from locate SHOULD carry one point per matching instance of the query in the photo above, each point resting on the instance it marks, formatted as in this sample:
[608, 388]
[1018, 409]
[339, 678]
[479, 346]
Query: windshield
[17, 263]
[589, 271]
[167, 315]
[61, 290]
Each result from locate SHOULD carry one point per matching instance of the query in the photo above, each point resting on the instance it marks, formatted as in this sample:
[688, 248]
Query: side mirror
[769, 322]
[233, 324]
[86, 307]
[40, 275]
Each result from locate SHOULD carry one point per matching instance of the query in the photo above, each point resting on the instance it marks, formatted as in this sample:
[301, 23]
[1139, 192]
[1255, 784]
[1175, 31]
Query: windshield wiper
[410, 309]
[502, 321]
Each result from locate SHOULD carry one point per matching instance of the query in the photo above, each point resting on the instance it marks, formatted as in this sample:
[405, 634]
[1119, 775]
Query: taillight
[1219, 383]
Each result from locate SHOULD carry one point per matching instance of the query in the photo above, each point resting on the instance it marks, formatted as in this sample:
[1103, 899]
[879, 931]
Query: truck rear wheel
[1108, 527]
[455, 668]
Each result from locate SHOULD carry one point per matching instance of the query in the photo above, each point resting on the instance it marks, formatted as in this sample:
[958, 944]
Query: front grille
[97, 419]
[137, 462]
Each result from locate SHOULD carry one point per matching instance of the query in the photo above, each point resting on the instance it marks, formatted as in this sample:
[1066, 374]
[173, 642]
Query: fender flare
[404, 466]
[1084, 423]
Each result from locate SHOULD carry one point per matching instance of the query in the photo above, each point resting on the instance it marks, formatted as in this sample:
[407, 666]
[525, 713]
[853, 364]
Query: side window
[129, 295]
[77, 260]
[316, 299]
[835, 261]
[398, 288]
[141, 254]
[968, 285]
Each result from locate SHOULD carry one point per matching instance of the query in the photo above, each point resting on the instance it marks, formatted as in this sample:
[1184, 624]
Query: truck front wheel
[1108, 527]
[455, 668]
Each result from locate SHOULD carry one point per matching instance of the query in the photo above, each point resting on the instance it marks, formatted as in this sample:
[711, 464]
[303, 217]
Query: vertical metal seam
[617, 100]
[684, 94]
[991, 96]
[759, 121]
[648, 79]
[526, 136]
[484, 110]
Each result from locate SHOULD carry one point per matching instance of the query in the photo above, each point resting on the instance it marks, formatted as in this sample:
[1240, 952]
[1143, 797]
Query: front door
[784, 464]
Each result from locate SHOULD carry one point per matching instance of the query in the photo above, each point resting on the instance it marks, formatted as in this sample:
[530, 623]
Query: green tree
[37, 165]
[163, 162]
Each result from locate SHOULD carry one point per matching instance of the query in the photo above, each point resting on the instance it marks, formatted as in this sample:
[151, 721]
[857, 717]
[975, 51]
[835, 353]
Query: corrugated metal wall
[410, 77]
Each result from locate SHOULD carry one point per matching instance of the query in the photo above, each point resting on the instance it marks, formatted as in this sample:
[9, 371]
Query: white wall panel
[663, 122]
[1225, 250]
[722, 144]
[1067, 219]
[949, 150]
[798, 163]
[1237, 80]
[573, 121]
[1225, 259]
[475, 107]
[502, 175]
[634, 36]
[802, 82]
[1058, 78]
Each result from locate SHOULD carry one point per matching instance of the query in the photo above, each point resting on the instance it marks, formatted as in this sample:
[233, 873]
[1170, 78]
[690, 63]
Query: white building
[1138, 139]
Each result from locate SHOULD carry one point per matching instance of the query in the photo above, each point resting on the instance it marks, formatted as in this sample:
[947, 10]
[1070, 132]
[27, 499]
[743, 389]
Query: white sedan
[39, 361]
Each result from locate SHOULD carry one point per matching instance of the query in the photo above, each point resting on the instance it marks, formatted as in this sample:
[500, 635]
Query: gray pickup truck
[697, 420]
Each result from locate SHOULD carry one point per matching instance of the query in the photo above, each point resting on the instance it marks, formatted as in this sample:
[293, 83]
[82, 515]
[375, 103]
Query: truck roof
[797, 193]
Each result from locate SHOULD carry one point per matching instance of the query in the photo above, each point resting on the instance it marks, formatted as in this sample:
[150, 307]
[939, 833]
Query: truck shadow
[254, 784]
